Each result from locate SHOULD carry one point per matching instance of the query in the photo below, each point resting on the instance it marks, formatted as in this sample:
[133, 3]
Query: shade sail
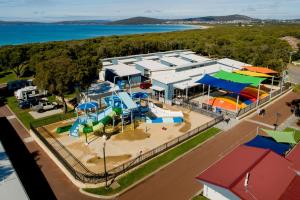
[255, 81]
[281, 136]
[268, 143]
[88, 105]
[249, 73]
[223, 84]
[263, 70]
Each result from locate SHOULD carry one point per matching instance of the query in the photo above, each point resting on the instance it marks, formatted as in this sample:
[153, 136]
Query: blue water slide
[127, 100]
[74, 131]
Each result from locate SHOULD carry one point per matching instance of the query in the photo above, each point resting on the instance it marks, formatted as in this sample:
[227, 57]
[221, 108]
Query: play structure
[123, 105]
[226, 102]
[163, 115]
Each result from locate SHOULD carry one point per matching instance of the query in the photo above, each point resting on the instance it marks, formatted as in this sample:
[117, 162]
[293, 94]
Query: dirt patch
[131, 135]
[97, 160]
[186, 123]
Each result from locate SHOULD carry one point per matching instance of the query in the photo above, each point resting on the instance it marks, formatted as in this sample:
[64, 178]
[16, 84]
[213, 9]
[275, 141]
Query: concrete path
[176, 181]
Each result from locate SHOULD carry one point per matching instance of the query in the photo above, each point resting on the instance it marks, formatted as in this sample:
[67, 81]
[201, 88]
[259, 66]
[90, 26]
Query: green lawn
[6, 76]
[155, 163]
[26, 118]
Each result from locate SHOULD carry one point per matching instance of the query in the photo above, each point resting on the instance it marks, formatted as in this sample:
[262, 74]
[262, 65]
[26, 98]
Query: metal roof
[123, 70]
[269, 174]
[152, 65]
[232, 63]
[168, 78]
[175, 61]
[128, 60]
[196, 58]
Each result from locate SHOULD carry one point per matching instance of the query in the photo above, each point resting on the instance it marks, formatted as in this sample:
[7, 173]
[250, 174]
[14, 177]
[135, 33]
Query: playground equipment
[251, 93]
[226, 103]
[164, 116]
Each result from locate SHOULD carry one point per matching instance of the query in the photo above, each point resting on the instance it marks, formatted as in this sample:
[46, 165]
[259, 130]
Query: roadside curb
[151, 174]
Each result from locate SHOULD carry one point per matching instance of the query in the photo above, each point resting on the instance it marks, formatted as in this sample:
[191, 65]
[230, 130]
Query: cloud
[250, 9]
[152, 11]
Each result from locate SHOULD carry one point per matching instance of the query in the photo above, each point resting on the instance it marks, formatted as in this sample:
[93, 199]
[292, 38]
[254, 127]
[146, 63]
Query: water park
[130, 124]
[141, 105]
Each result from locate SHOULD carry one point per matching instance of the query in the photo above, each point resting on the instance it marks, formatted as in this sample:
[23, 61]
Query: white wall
[214, 192]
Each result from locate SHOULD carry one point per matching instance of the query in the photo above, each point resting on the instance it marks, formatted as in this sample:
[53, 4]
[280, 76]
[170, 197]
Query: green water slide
[96, 126]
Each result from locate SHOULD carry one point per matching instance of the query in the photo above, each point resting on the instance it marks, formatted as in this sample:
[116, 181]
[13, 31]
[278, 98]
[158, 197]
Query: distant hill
[84, 22]
[18, 22]
[138, 20]
[220, 19]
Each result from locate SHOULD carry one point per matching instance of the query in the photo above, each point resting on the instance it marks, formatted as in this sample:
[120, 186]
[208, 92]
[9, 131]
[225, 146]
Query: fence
[69, 161]
[274, 94]
[195, 106]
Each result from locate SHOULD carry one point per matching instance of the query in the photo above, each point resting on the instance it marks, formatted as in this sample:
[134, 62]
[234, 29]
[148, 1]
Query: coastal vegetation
[59, 66]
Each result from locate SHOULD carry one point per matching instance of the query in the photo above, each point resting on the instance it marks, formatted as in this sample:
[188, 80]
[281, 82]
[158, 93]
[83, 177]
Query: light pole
[276, 122]
[104, 161]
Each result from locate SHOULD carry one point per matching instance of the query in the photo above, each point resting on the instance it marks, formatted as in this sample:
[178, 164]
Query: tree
[14, 59]
[55, 75]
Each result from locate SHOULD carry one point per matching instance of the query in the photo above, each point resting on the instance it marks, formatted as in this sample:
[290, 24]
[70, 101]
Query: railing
[69, 161]
[195, 106]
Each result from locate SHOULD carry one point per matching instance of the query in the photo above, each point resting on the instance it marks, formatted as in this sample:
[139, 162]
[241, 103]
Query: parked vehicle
[45, 106]
[29, 92]
[145, 85]
[24, 104]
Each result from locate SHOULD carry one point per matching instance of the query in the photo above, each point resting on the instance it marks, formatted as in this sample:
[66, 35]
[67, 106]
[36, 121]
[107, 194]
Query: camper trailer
[29, 92]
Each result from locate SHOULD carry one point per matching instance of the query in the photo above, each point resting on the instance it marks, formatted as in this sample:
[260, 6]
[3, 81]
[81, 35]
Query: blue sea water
[31, 33]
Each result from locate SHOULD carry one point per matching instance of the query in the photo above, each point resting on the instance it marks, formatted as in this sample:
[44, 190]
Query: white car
[45, 106]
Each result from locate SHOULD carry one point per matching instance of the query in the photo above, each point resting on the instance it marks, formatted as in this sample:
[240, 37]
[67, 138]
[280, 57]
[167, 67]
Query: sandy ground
[122, 146]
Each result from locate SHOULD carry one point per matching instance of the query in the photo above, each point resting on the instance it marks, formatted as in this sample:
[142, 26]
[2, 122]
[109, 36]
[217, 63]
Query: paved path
[176, 181]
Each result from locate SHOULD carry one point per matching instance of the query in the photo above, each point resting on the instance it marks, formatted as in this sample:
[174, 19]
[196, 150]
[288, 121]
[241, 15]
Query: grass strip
[155, 163]
[26, 118]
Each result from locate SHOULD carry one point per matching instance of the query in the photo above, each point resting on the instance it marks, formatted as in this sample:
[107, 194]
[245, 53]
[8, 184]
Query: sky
[57, 10]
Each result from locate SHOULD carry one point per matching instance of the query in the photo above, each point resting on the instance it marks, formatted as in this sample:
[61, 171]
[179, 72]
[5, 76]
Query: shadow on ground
[24, 163]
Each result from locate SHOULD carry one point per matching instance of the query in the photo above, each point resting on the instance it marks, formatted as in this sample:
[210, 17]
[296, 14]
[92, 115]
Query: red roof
[227, 171]
[294, 156]
[268, 179]
[292, 192]
[269, 173]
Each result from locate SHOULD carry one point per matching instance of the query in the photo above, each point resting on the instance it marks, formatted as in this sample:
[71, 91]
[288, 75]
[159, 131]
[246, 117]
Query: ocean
[12, 34]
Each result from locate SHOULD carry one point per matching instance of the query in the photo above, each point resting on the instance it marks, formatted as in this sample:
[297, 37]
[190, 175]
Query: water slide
[162, 113]
[78, 127]
[127, 100]
[74, 130]
[105, 120]
[226, 103]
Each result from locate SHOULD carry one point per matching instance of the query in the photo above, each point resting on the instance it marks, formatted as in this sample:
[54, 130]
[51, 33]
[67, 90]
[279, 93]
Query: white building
[169, 72]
